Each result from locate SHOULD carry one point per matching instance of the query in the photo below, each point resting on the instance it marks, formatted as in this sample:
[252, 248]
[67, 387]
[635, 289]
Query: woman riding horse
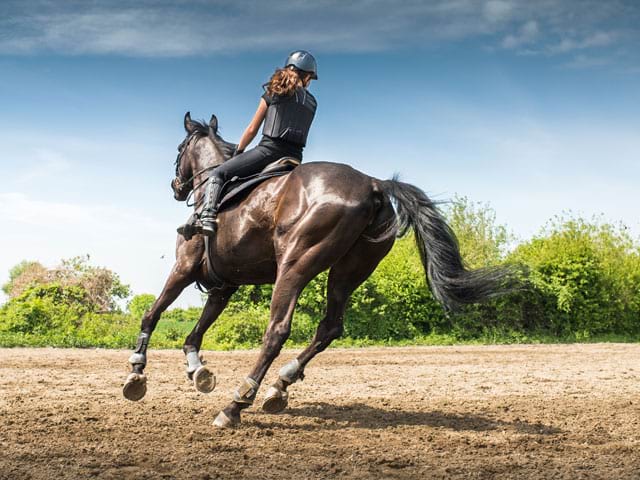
[320, 217]
[287, 109]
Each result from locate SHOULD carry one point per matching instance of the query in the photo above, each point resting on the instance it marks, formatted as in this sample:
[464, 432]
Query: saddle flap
[236, 186]
[283, 164]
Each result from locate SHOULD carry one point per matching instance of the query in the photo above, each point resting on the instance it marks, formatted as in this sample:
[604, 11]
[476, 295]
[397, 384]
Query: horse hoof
[275, 401]
[222, 421]
[135, 387]
[204, 380]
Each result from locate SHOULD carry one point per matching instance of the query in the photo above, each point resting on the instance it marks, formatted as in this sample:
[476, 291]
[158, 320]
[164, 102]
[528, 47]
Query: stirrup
[187, 231]
[208, 226]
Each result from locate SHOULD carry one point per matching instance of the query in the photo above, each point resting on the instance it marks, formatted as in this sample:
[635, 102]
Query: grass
[171, 335]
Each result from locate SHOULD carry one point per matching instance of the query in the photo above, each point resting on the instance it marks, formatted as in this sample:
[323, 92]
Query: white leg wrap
[138, 358]
[246, 393]
[289, 372]
[139, 355]
[193, 362]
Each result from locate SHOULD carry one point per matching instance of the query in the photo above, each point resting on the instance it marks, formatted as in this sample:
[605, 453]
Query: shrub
[584, 279]
[44, 308]
[102, 288]
[482, 241]
[140, 304]
[243, 329]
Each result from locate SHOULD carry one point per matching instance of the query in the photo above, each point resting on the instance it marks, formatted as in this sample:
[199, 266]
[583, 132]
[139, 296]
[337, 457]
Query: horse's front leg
[135, 386]
[202, 376]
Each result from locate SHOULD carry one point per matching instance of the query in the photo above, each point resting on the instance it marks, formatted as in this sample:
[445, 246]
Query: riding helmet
[304, 61]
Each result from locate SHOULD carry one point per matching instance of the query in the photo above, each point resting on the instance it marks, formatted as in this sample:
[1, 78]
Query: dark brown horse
[321, 216]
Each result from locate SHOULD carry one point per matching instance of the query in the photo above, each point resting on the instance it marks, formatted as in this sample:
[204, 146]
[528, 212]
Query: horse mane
[202, 129]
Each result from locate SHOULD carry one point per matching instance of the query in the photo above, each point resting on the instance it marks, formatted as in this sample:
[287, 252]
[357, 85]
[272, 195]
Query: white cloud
[129, 241]
[595, 40]
[20, 208]
[587, 61]
[527, 34]
[46, 163]
[498, 10]
[151, 28]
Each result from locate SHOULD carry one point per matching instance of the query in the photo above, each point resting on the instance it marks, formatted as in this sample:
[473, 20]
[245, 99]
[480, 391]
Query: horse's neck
[202, 171]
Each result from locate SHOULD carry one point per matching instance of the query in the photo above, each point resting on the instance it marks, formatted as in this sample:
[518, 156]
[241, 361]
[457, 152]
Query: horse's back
[325, 184]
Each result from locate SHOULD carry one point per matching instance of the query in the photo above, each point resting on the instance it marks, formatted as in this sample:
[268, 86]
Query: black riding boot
[210, 207]
[205, 223]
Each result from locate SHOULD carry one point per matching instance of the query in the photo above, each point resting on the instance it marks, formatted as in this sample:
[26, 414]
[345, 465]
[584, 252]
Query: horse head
[200, 151]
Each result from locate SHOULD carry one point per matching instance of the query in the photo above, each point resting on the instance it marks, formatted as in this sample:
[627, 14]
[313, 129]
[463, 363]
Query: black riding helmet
[303, 60]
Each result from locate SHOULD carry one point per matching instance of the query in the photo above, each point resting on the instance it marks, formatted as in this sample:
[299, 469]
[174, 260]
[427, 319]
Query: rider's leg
[210, 207]
[243, 165]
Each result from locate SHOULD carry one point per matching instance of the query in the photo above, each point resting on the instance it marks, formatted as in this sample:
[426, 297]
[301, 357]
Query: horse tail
[451, 283]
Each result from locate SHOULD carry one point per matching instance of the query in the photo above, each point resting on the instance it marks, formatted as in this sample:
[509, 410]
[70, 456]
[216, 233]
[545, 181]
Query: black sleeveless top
[289, 117]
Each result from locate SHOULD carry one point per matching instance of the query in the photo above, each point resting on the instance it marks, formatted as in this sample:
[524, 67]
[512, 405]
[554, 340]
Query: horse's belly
[243, 251]
[248, 264]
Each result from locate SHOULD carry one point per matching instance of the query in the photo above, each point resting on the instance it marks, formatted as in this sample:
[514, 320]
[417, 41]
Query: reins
[196, 187]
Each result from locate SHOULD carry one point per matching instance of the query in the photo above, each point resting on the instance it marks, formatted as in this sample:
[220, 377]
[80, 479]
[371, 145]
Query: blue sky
[531, 107]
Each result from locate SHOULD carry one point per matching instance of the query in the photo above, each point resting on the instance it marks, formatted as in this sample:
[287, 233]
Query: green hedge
[583, 283]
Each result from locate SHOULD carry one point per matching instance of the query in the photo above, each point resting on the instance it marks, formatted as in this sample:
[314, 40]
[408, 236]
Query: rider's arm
[251, 131]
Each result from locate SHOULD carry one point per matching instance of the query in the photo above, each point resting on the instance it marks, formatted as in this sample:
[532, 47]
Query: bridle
[180, 184]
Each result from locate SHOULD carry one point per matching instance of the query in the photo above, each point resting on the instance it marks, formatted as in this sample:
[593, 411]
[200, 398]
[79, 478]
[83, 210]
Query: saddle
[234, 188]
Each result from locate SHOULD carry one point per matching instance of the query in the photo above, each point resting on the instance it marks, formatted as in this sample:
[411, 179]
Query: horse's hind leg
[202, 376]
[292, 278]
[344, 277]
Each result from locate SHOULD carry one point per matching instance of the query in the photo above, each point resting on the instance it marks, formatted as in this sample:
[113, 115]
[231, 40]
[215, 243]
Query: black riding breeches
[249, 162]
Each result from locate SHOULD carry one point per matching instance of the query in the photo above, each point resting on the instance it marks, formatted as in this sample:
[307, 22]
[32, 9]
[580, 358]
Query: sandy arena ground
[435, 412]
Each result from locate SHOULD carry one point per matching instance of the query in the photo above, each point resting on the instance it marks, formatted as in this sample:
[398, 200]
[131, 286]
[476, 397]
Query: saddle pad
[236, 186]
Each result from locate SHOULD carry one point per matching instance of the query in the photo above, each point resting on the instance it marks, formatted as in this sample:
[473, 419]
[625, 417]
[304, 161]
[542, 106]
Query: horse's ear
[188, 123]
[213, 123]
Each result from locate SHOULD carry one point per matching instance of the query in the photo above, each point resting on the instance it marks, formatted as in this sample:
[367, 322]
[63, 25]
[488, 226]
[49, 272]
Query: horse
[287, 230]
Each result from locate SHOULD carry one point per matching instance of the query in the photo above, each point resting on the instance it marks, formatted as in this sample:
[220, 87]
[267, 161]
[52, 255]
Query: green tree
[24, 275]
[139, 304]
[482, 241]
[102, 287]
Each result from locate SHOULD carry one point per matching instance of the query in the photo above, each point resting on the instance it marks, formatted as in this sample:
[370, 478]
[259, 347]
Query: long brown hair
[285, 81]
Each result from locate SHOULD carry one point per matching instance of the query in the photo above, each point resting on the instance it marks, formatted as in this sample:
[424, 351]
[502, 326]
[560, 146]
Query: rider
[287, 109]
